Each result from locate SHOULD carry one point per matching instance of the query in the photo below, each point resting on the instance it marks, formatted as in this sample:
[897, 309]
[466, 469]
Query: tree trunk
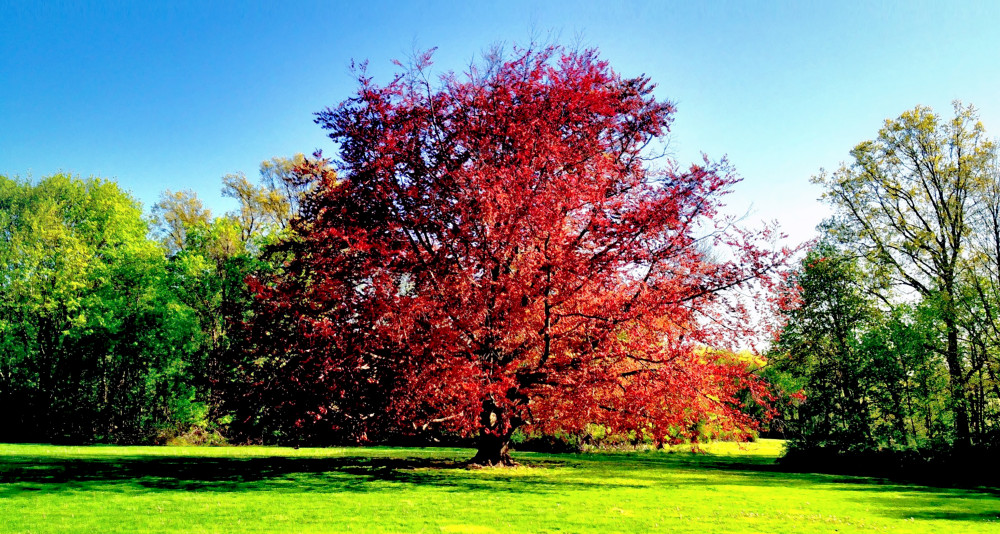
[494, 438]
[963, 434]
[493, 450]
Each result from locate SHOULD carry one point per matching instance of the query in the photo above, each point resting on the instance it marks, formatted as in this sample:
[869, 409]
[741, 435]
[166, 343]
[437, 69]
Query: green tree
[211, 257]
[980, 307]
[175, 214]
[820, 345]
[279, 174]
[905, 204]
[868, 379]
[91, 341]
[268, 208]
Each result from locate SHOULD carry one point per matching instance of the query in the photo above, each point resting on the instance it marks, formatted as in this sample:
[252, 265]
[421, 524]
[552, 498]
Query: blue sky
[175, 95]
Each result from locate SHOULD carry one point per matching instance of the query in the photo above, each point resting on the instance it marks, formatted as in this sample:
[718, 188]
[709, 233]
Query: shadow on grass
[939, 505]
[767, 469]
[352, 473]
[655, 472]
[892, 498]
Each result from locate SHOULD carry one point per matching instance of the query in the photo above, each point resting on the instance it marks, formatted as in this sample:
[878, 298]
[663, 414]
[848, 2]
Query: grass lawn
[730, 488]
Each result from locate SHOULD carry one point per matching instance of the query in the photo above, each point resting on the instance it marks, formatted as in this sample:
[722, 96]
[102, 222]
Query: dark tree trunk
[494, 438]
[493, 451]
[957, 384]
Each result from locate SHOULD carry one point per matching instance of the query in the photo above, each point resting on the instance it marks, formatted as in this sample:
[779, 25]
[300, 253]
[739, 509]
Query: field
[727, 488]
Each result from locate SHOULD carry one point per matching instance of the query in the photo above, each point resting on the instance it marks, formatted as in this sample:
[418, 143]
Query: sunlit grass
[727, 488]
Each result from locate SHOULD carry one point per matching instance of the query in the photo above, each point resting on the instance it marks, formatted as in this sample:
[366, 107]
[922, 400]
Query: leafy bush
[195, 436]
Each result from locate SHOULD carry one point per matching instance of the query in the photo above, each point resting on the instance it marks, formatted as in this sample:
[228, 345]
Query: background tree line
[115, 327]
[892, 329]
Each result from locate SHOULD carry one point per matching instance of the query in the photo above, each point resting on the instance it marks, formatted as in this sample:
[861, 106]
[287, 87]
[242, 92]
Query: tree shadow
[768, 470]
[273, 473]
[939, 504]
[360, 473]
[892, 498]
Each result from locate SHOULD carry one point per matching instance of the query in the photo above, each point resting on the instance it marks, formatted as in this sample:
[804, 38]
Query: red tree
[497, 252]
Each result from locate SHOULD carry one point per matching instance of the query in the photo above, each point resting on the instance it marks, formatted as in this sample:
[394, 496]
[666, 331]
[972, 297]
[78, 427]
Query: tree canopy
[905, 284]
[90, 346]
[499, 251]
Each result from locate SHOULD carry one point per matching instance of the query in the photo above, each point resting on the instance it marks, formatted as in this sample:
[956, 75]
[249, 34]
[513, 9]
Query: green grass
[261, 489]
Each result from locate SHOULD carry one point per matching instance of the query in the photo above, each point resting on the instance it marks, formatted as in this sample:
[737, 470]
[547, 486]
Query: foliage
[209, 260]
[499, 252]
[868, 379]
[196, 436]
[177, 213]
[892, 329]
[92, 343]
[906, 203]
[539, 442]
[106, 335]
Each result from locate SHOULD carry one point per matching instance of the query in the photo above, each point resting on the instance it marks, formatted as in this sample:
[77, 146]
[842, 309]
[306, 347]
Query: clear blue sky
[175, 96]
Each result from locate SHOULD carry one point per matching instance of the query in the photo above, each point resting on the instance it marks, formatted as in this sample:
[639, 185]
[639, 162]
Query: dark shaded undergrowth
[945, 467]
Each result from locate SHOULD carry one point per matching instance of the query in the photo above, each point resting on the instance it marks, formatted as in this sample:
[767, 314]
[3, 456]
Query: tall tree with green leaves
[211, 256]
[867, 376]
[91, 343]
[904, 203]
[175, 215]
[819, 346]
